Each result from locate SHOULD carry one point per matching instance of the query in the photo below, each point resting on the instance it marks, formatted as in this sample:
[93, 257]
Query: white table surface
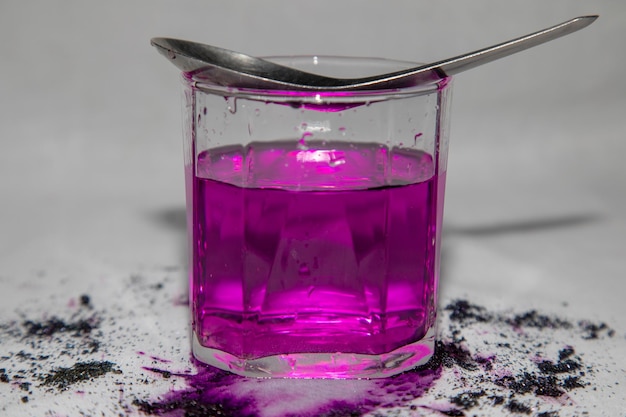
[92, 198]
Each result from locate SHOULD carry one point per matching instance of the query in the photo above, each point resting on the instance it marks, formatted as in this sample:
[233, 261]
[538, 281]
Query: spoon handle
[451, 66]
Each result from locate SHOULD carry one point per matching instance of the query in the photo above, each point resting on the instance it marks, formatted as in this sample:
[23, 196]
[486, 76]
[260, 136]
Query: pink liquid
[314, 249]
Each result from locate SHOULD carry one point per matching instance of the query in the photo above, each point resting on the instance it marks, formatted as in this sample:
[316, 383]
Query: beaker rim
[327, 65]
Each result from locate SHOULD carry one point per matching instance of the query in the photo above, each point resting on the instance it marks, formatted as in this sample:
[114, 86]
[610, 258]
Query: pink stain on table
[215, 392]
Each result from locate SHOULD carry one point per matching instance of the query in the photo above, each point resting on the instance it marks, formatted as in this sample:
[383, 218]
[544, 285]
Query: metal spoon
[234, 69]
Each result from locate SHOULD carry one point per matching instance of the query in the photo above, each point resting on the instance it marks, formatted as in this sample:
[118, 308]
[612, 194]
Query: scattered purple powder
[62, 378]
[548, 414]
[522, 365]
[463, 311]
[534, 319]
[566, 352]
[33, 365]
[467, 400]
[518, 407]
[593, 331]
[85, 300]
[453, 412]
[531, 383]
[450, 354]
[572, 382]
[549, 367]
[56, 325]
[497, 399]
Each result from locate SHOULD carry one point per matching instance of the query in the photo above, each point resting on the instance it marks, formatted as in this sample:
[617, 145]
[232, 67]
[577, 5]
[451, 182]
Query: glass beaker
[315, 223]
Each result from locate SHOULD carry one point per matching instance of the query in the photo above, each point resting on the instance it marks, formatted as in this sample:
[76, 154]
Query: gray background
[91, 117]
[91, 178]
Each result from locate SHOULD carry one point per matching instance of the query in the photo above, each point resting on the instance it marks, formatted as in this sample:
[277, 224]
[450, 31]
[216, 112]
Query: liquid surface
[305, 249]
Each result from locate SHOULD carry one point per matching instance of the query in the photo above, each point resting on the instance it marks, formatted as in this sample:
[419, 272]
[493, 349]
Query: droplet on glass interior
[336, 162]
[302, 145]
[232, 104]
[304, 270]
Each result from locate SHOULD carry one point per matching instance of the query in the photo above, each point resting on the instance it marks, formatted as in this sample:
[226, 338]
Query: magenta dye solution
[312, 260]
